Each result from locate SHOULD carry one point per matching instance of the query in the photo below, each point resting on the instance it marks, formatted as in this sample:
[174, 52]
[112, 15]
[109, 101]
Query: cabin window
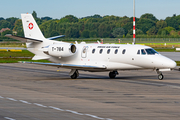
[101, 50]
[108, 51]
[143, 52]
[138, 52]
[116, 51]
[124, 51]
[93, 51]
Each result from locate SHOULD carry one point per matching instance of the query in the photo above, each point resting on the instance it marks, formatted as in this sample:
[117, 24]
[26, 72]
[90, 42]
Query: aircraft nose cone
[172, 64]
[168, 63]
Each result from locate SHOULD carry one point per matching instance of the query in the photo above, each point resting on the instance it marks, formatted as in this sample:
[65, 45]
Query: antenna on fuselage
[134, 24]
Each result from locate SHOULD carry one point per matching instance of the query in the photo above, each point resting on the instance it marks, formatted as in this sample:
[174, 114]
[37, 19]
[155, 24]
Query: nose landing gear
[160, 75]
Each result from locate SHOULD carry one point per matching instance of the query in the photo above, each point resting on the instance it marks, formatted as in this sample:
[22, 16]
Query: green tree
[72, 33]
[6, 32]
[18, 28]
[85, 34]
[69, 18]
[173, 33]
[105, 34]
[46, 18]
[34, 14]
[5, 24]
[53, 33]
[161, 24]
[93, 34]
[169, 29]
[118, 32]
[162, 32]
[149, 16]
[153, 31]
[1, 18]
[145, 24]
[101, 29]
[173, 21]
[12, 20]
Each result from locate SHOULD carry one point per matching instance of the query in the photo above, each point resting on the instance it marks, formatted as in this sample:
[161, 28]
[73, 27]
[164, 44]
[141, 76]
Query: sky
[82, 8]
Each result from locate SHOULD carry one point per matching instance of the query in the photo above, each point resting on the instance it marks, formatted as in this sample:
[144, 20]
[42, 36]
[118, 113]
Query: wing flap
[23, 39]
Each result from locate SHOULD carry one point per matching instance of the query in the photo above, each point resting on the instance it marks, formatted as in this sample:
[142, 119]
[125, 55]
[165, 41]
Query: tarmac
[32, 92]
[173, 55]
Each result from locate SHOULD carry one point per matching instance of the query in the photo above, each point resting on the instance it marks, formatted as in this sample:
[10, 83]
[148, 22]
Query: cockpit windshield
[151, 51]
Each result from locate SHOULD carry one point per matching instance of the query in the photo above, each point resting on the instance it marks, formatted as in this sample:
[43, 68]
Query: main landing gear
[74, 74]
[113, 74]
[160, 75]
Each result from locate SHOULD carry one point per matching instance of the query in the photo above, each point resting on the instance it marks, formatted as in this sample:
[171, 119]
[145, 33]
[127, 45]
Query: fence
[111, 40]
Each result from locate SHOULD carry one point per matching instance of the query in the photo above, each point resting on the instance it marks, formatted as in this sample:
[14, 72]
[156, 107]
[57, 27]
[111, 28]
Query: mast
[134, 24]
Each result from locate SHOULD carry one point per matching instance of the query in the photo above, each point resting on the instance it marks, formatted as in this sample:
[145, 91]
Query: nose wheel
[160, 75]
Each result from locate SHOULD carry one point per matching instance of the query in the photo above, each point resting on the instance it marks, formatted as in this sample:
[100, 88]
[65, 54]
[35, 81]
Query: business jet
[90, 57]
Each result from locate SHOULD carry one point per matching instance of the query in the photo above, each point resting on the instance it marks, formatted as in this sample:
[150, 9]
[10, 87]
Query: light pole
[134, 24]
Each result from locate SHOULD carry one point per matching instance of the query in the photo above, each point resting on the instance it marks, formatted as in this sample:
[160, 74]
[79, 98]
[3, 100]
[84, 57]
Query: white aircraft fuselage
[91, 57]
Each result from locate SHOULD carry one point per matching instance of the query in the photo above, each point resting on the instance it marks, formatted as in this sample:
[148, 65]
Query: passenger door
[84, 52]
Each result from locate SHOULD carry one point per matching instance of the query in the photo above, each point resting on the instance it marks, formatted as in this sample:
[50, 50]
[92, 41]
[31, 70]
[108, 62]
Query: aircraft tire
[74, 76]
[160, 76]
[112, 74]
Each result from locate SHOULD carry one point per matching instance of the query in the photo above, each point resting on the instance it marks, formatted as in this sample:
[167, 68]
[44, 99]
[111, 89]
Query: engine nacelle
[60, 50]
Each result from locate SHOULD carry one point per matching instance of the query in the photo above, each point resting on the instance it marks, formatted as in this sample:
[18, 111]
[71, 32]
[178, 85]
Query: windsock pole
[134, 24]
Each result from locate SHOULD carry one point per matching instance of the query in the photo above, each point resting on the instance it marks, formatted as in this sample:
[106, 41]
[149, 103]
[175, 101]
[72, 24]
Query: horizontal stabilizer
[72, 66]
[37, 57]
[55, 37]
[23, 39]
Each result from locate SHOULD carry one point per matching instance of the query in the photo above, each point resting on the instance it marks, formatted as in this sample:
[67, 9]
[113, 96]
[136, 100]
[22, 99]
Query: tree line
[97, 26]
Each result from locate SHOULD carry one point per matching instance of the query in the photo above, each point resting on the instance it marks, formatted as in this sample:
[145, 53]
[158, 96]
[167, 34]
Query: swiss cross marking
[30, 26]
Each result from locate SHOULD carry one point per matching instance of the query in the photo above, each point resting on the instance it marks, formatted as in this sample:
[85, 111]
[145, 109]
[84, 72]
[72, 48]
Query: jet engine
[60, 50]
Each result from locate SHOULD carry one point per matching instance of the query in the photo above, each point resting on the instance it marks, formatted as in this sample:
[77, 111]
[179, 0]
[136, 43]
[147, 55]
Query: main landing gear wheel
[74, 74]
[160, 76]
[113, 74]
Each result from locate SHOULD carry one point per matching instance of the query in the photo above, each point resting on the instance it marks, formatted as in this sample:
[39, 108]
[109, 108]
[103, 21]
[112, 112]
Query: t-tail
[39, 45]
[31, 29]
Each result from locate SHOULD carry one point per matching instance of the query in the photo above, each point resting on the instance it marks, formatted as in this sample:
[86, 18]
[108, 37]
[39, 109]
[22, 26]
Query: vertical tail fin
[31, 29]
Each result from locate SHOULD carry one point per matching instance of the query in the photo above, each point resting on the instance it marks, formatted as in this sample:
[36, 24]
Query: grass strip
[24, 53]
[178, 63]
[16, 60]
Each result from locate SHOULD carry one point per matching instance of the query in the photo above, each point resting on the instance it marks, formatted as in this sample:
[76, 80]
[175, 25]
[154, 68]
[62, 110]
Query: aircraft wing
[23, 39]
[70, 66]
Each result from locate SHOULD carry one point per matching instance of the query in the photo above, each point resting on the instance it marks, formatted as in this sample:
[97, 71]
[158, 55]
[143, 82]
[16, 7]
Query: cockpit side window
[151, 51]
[138, 52]
[108, 51]
[143, 52]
